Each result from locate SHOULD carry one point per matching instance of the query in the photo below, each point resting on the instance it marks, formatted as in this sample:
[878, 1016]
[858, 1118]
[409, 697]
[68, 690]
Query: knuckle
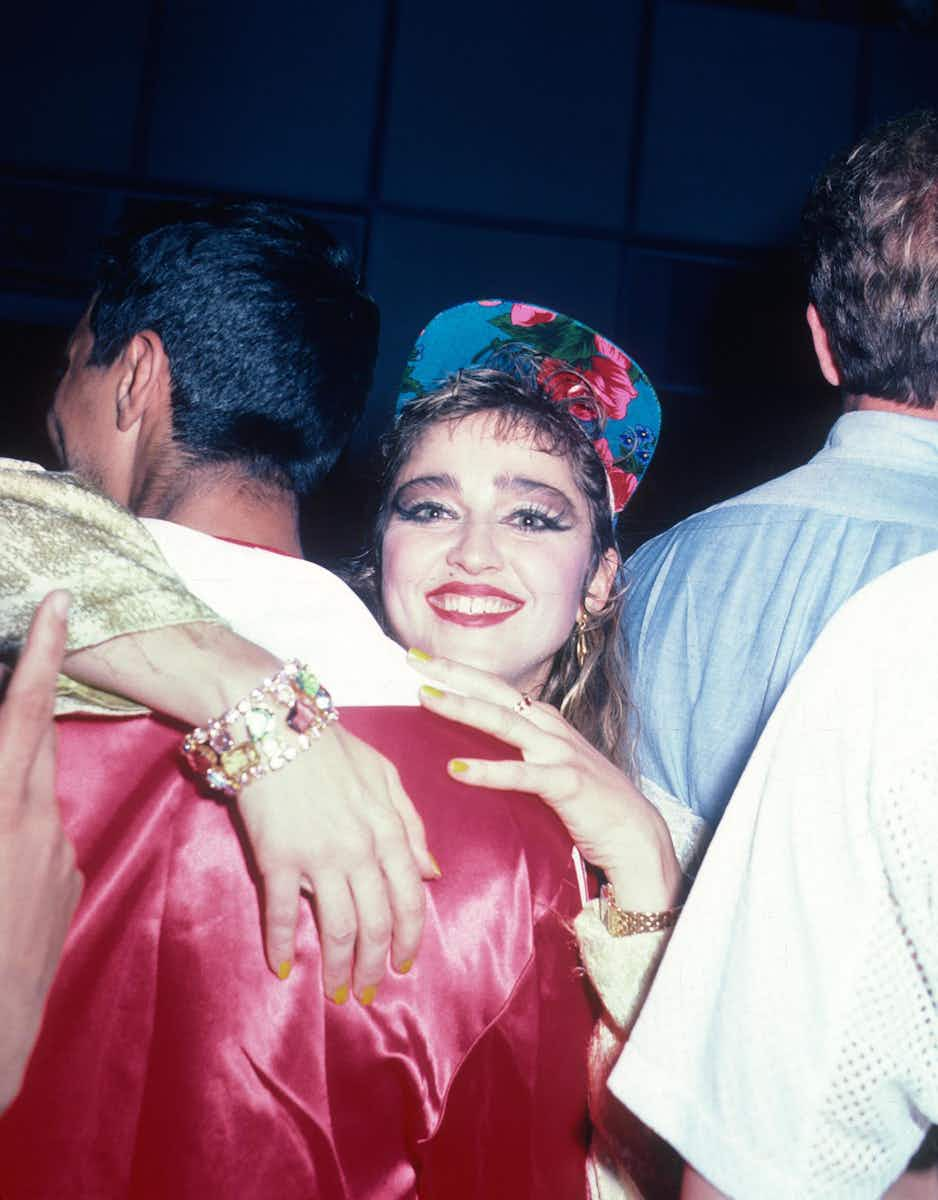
[377, 929]
[411, 911]
[356, 852]
[279, 930]
[270, 858]
[281, 906]
[341, 936]
[387, 830]
[403, 876]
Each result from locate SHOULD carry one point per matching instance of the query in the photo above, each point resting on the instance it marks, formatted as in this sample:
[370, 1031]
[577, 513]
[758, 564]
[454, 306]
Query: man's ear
[597, 593]
[144, 382]
[822, 347]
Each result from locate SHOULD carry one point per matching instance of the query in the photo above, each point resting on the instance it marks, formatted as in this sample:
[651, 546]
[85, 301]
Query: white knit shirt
[789, 1046]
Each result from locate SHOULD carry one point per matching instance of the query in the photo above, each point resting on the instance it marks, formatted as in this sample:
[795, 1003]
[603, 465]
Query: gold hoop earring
[582, 645]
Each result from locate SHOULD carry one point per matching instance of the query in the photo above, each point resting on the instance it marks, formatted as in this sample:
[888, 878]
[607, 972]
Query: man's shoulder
[294, 608]
[261, 578]
[819, 498]
[219, 552]
[736, 517]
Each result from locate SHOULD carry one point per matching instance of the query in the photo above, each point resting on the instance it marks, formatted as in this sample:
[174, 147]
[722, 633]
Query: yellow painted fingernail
[436, 866]
[340, 995]
[420, 655]
[283, 971]
[405, 966]
[433, 692]
[457, 766]
[367, 995]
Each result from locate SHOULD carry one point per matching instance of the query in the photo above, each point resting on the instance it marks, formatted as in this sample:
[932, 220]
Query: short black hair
[870, 239]
[271, 340]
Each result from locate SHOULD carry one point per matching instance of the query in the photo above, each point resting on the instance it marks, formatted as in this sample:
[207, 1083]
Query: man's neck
[229, 504]
[878, 404]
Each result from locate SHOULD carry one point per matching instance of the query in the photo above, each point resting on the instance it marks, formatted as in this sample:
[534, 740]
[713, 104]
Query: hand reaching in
[39, 882]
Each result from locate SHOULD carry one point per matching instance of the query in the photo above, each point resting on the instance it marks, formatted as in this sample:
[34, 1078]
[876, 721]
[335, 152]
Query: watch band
[620, 922]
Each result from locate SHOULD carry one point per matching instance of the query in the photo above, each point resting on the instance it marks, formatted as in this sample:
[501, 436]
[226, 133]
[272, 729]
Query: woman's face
[487, 551]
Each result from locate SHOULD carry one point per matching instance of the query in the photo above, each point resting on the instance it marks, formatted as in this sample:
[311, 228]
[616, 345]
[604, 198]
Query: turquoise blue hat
[601, 386]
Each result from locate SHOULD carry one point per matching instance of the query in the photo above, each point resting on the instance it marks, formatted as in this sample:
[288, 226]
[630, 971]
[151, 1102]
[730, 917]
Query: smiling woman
[551, 427]
[519, 436]
[488, 547]
[495, 558]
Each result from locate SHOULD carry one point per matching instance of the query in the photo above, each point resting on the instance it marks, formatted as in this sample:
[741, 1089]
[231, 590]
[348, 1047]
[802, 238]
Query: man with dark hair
[237, 343]
[217, 375]
[724, 607]
[172, 1061]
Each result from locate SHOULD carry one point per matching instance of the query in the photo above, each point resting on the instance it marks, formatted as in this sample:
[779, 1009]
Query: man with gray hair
[724, 606]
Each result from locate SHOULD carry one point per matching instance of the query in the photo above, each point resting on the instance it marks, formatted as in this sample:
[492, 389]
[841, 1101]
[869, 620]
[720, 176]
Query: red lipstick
[455, 601]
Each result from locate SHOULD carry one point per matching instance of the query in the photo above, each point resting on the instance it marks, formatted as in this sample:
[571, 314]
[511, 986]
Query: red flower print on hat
[623, 483]
[602, 448]
[605, 393]
[527, 315]
[563, 385]
[609, 375]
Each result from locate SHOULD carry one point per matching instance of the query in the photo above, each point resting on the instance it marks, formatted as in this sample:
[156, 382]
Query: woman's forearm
[134, 629]
[190, 672]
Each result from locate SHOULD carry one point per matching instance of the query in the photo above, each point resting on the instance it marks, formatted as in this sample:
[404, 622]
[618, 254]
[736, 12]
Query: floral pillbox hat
[603, 388]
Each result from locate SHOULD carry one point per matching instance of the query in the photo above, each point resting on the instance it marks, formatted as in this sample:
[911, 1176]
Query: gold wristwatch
[621, 923]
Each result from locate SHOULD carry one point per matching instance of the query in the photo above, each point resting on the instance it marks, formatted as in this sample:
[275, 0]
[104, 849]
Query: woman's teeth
[472, 604]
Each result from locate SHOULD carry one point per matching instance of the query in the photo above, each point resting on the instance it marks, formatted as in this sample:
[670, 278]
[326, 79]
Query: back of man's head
[270, 339]
[870, 229]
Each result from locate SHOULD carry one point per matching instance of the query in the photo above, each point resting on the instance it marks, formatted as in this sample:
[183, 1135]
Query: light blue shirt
[722, 608]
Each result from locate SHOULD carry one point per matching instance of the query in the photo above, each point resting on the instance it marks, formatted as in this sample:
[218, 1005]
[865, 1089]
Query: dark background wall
[639, 163]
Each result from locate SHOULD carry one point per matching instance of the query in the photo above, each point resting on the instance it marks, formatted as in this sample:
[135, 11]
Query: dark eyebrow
[503, 482]
[448, 482]
[520, 483]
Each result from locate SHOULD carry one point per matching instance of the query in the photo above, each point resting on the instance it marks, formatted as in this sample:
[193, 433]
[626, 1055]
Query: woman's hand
[335, 821]
[338, 823]
[608, 818]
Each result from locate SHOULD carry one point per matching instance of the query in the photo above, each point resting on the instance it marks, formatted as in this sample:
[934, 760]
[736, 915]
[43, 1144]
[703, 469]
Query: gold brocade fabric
[57, 532]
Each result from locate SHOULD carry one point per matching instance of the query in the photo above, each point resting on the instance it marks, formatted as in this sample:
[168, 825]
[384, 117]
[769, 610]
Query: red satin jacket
[173, 1064]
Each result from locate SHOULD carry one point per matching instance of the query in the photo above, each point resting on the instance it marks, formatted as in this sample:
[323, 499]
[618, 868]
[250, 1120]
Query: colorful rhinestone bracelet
[253, 737]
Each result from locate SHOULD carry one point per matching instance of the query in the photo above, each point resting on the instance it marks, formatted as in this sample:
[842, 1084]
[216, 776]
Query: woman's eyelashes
[424, 512]
[531, 518]
[527, 518]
